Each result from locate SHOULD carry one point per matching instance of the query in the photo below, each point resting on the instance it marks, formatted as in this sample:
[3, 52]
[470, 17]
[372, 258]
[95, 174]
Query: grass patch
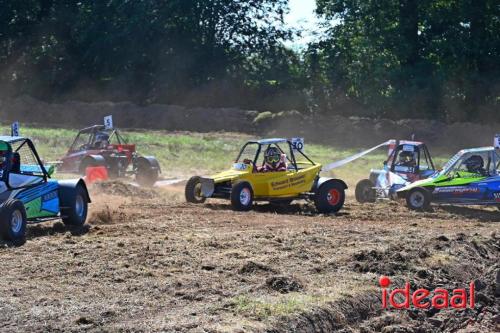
[184, 154]
[438, 260]
[264, 308]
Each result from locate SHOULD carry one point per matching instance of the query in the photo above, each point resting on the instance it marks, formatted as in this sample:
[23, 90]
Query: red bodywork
[86, 144]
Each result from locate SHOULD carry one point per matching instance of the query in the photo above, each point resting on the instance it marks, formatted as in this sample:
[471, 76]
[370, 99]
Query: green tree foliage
[411, 58]
[176, 51]
[379, 58]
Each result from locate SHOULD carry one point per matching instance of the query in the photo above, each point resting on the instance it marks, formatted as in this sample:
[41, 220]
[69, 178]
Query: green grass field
[182, 154]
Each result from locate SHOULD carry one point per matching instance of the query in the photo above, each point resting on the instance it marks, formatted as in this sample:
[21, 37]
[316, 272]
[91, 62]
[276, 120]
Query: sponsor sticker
[457, 190]
[287, 183]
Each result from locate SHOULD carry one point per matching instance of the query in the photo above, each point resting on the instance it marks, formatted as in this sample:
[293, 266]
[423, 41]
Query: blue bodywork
[483, 192]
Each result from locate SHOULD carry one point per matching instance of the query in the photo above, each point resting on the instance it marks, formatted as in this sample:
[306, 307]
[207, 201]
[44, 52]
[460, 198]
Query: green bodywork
[458, 179]
[450, 176]
[31, 185]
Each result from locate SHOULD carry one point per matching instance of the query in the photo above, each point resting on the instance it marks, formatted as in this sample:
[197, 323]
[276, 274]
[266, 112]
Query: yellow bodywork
[281, 184]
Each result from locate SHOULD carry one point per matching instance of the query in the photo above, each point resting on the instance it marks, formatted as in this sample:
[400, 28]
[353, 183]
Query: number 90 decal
[298, 144]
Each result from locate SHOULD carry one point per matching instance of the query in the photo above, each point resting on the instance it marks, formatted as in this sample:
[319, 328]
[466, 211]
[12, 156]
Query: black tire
[365, 192]
[242, 197]
[330, 197]
[74, 212]
[13, 220]
[418, 199]
[192, 191]
[87, 162]
[146, 176]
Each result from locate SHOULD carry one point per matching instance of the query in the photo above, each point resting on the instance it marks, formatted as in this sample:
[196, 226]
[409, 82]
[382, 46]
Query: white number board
[108, 122]
[14, 129]
[496, 144]
[408, 148]
[298, 144]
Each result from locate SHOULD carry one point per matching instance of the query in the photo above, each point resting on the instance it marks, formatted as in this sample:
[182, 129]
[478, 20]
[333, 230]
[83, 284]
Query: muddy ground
[149, 262]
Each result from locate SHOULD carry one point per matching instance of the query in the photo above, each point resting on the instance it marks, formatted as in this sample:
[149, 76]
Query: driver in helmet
[4, 161]
[407, 159]
[101, 140]
[475, 164]
[274, 160]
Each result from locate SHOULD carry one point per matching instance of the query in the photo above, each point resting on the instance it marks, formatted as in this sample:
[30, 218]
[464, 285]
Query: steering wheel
[248, 161]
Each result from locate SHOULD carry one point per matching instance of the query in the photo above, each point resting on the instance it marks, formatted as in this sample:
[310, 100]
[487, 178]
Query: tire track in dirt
[150, 262]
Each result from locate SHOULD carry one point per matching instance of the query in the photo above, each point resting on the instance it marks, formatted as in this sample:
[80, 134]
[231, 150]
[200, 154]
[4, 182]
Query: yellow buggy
[246, 183]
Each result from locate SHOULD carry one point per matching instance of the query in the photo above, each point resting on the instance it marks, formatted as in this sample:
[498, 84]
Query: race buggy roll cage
[93, 130]
[24, 141]
[419, 148]
[275, 142]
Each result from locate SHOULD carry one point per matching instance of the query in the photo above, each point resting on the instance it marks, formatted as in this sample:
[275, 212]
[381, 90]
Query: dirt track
[154, 263]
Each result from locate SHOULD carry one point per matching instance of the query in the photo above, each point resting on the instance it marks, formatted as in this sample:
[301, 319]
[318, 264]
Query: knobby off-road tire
[365, 191]
[146, 176]
[192, 191]
[88, 162]
[418, 199]
[242, 197]
[74, 209]
[13, 220]
[330, 197]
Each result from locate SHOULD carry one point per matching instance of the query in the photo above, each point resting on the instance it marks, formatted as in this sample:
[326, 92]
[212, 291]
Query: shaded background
[379, 59]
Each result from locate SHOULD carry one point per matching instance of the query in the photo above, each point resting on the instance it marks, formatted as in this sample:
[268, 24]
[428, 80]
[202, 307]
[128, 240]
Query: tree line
[386, 58]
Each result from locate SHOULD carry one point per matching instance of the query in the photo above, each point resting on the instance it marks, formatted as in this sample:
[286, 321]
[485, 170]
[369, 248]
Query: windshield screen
[481, 162]
[448, 166]
[248, 153]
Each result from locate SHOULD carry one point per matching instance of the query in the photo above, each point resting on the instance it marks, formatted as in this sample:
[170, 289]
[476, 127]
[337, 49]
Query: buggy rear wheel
[146, 176]
[192, 191]
[330, 197]
[242, 196]
[13, 220]
[418, 199]
[76, 207]
[365, 191]
[89, 162]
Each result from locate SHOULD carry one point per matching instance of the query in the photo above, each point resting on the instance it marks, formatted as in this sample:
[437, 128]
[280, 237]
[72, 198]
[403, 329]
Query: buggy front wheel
[13, 220]
[242, 196]
[418, 199]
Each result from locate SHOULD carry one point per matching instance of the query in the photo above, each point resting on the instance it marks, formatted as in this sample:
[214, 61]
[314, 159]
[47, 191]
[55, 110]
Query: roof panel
[271, 141]
[11, 139]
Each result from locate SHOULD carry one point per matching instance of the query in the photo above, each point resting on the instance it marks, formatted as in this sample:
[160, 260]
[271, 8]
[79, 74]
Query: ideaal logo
[423, 299]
